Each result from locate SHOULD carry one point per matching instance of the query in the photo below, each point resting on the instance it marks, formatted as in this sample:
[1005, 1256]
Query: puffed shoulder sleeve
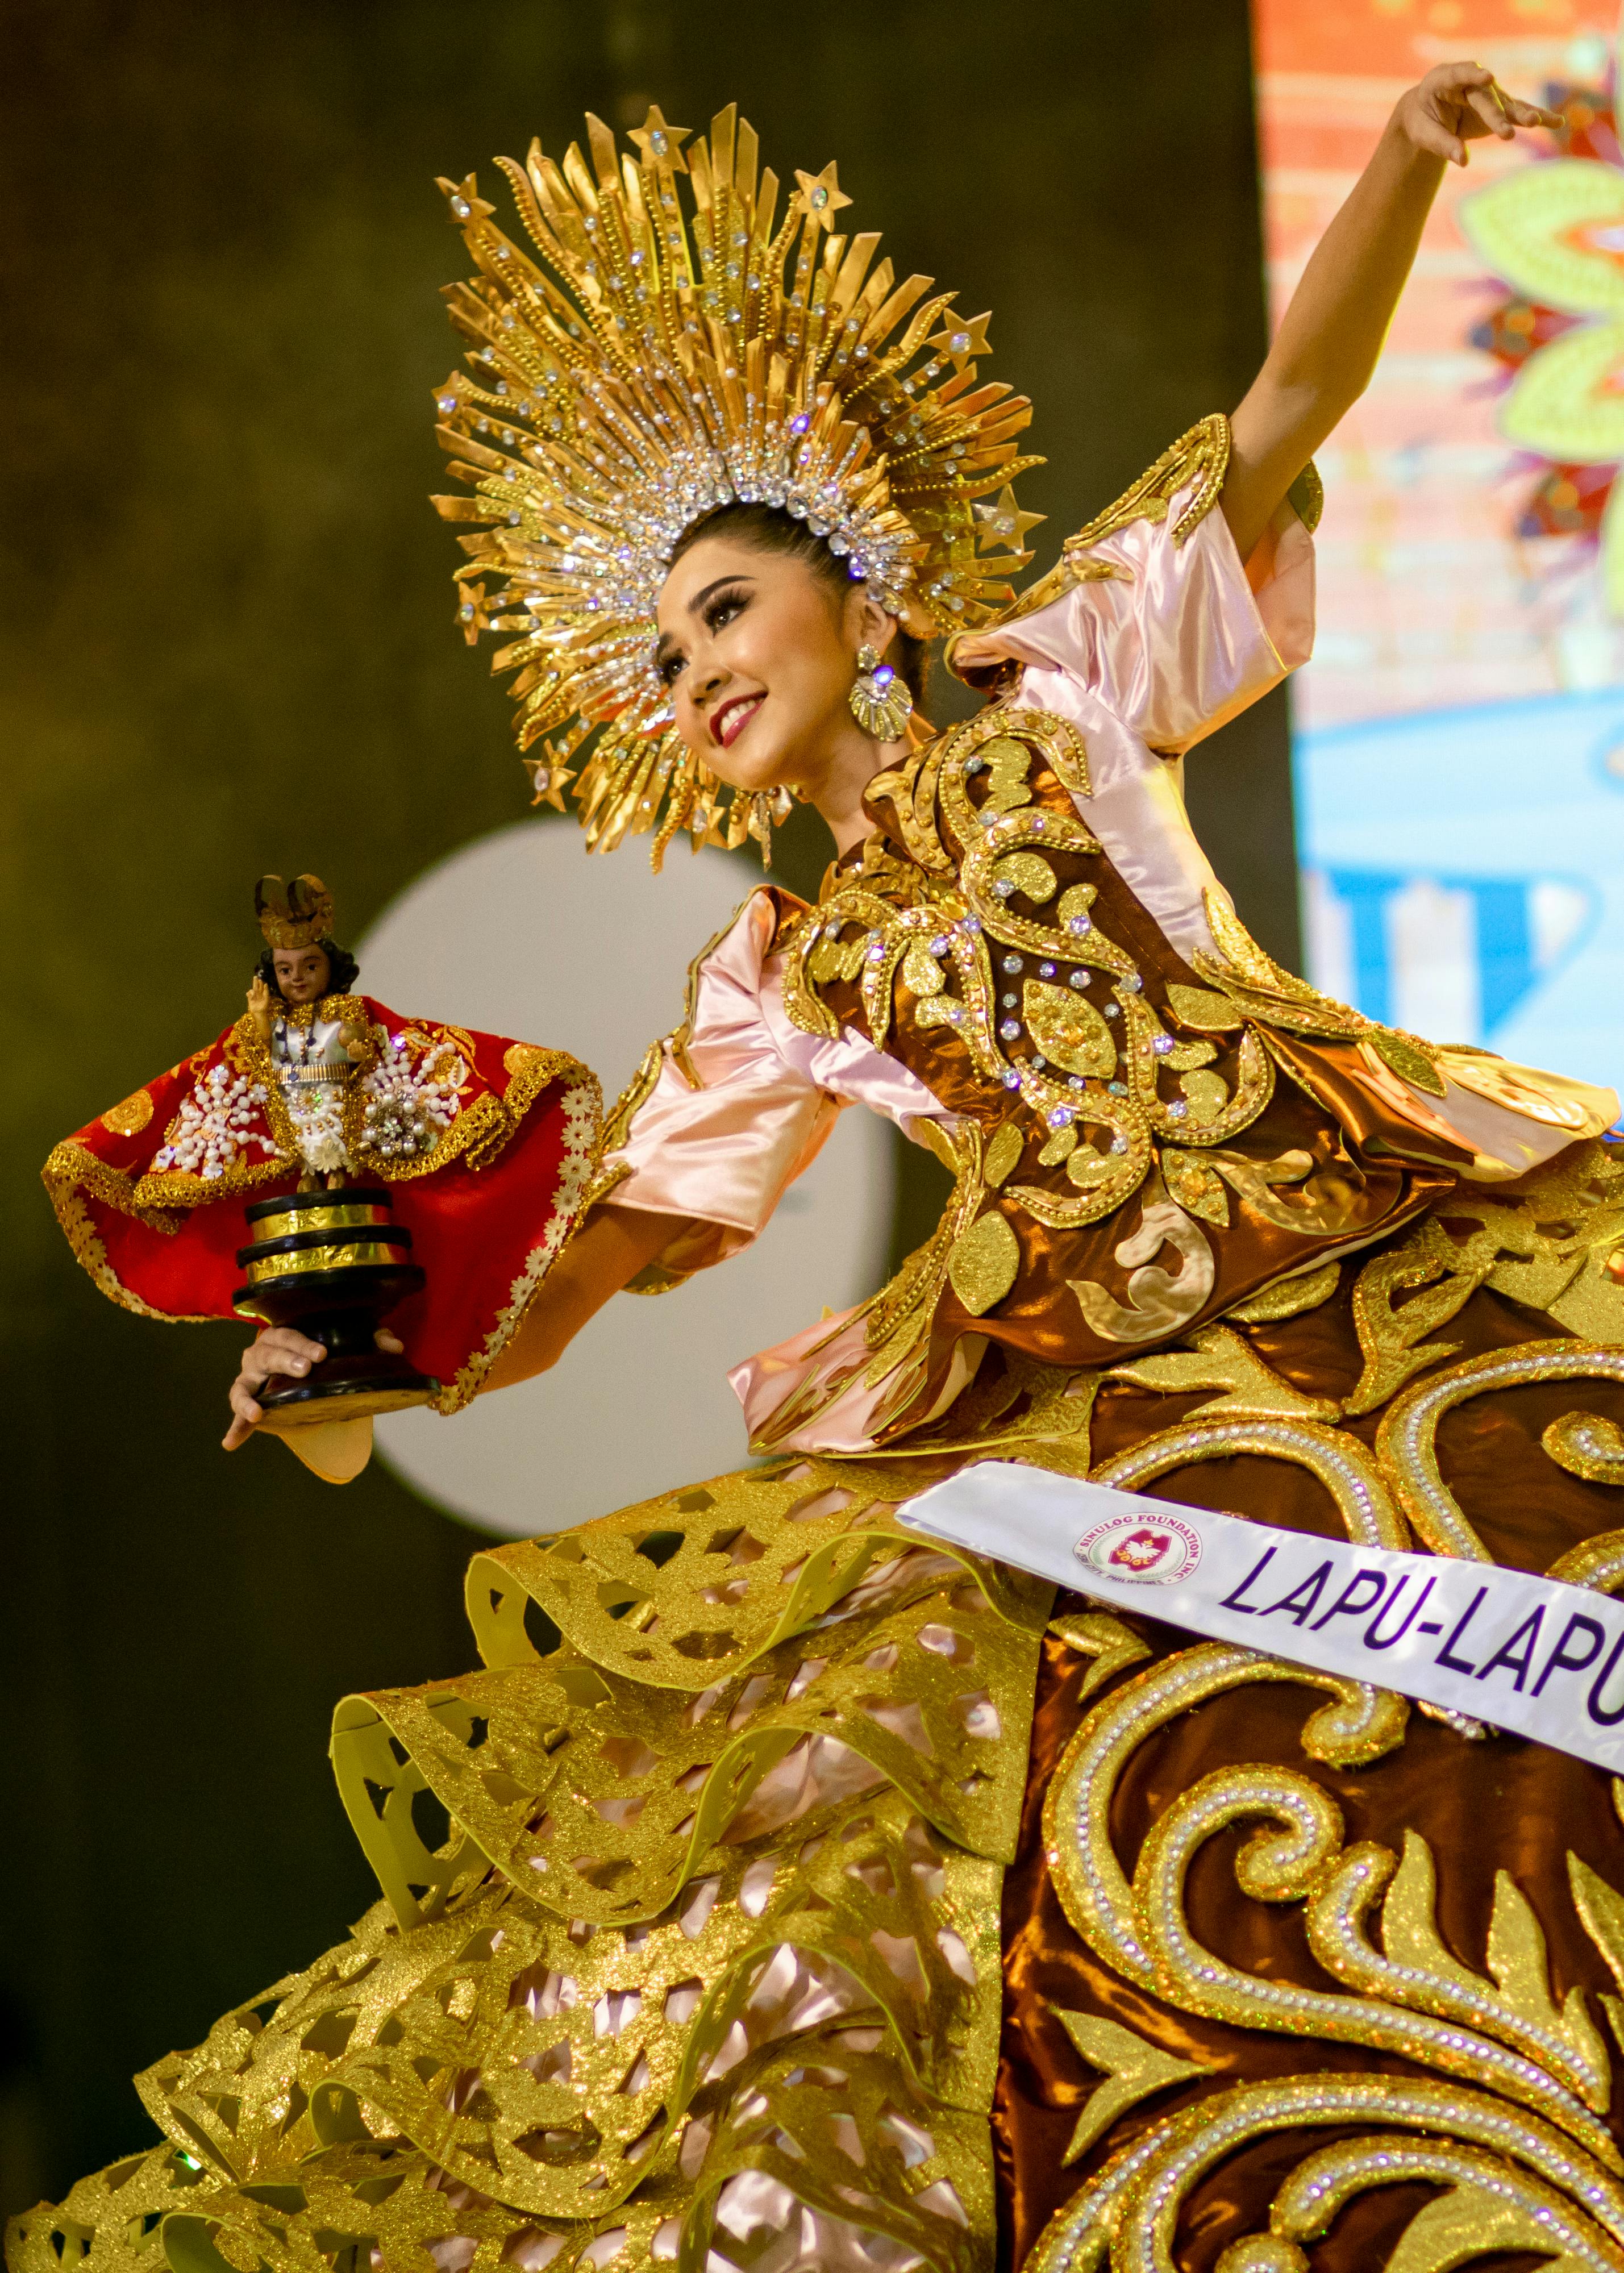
[720, 1122]
[1154, 614]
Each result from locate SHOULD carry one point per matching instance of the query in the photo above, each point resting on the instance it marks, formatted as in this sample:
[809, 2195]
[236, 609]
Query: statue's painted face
[302, 972]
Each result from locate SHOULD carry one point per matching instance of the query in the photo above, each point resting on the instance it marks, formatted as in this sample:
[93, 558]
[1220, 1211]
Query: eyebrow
[662, 645]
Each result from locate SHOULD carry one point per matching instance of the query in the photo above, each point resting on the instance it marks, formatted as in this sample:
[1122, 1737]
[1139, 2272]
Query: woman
[740, 1939]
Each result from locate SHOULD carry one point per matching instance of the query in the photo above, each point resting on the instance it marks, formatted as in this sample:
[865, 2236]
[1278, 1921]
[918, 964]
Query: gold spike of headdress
[678, 365]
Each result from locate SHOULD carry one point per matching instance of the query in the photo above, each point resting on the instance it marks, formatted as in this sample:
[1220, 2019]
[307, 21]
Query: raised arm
[1322, 359]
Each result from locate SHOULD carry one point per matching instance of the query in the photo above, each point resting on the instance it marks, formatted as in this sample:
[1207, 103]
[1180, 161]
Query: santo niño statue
[448, 1165]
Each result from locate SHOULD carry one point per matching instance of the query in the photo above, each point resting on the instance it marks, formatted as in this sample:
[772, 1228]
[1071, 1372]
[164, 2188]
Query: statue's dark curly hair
[342, 977]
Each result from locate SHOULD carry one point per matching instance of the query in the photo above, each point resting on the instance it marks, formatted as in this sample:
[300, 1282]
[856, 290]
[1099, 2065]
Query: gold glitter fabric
[1252, 1903]
[1114, 1105]
[782, 1895]
[709, 1957]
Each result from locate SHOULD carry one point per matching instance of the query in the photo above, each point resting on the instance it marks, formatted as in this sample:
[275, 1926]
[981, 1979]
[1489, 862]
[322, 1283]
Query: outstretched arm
[1322, 359]
[616, 1244]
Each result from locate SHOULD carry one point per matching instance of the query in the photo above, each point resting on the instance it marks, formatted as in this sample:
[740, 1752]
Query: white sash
[1537, 1656]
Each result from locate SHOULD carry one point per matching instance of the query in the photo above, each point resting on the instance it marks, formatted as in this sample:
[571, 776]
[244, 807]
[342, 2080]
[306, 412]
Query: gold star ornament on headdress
[640, 367]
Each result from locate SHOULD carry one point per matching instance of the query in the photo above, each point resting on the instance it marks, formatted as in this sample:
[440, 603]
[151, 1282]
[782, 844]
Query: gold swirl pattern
[1285, 1866]
[1540, 2064]
[1359, 1726]
[1588, 1445]
[1112, 1646]
[690, 1947]
[1206, 1114]
[937, 918]
[1488, 2208]
[1406, 1443]
[130, 1116]
[718, 1905]
[1598, 1562]
[1193, 2145]
[1419, 1970]
[1356, 1483]
[1131, 2209]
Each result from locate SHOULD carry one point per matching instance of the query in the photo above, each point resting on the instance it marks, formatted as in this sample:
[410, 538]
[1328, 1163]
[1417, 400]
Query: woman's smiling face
[758, 652]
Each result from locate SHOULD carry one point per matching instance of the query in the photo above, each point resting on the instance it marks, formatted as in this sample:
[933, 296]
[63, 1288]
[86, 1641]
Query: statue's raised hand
[259, 1007]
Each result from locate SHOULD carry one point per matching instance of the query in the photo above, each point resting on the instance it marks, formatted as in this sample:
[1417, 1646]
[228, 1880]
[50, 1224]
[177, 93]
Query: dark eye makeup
[720, 608]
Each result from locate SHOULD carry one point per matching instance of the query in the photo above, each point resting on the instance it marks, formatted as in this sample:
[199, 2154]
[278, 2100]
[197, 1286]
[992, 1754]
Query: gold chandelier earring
[881, 703]
[765, 807]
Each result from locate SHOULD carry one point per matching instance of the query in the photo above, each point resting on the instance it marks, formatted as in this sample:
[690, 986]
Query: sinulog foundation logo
[1151, 1549]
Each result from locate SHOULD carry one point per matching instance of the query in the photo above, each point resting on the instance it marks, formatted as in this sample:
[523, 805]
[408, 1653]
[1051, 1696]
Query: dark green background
[228, 648]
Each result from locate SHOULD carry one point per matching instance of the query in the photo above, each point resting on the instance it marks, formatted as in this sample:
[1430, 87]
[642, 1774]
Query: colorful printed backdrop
[1460, 732]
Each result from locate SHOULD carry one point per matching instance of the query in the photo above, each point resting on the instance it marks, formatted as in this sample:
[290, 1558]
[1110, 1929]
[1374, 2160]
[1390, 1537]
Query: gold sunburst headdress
[668, 366]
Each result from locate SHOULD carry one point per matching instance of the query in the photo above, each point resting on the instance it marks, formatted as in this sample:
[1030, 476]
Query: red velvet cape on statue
[486, 1146]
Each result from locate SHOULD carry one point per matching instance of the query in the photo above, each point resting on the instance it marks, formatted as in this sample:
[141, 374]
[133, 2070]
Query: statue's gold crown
[293, 915]
[677, 364]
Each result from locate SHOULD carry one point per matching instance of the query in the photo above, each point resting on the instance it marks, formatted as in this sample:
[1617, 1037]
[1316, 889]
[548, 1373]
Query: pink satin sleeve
[1148, 660]
[1180, 637]
[722, 1156]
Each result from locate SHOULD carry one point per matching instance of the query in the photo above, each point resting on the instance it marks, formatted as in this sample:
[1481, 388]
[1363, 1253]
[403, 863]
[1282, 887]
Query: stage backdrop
[1460, 731]
[226, 646]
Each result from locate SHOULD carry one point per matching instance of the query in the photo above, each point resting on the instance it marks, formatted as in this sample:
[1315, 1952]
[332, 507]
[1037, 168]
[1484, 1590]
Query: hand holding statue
[279, 1351]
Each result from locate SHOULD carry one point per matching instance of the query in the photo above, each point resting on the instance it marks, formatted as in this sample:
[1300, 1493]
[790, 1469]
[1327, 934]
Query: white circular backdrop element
[524, 934]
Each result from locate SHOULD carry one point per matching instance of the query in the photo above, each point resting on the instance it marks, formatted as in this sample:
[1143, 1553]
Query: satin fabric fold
[722, 1156]
[1149, 660]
